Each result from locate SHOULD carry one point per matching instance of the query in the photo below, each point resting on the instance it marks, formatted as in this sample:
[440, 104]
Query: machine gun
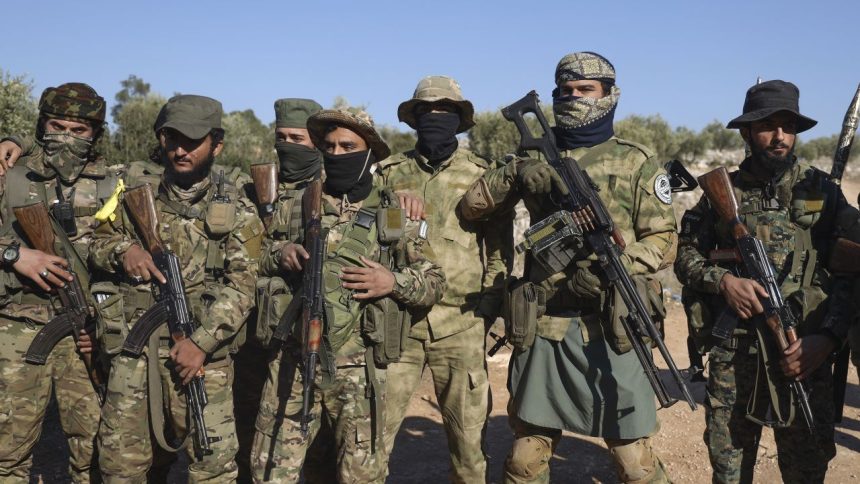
[265, 176]
[75, 313]
[590, 217]
[753, 257]
[171, 306]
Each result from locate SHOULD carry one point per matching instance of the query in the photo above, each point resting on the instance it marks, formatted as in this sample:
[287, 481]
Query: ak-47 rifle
[583, 205]
[265, 176]
[75, 313]
[752, 255]
[171, 306]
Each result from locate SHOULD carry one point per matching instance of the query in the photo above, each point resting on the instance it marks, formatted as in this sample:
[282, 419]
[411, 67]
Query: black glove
[538, 178]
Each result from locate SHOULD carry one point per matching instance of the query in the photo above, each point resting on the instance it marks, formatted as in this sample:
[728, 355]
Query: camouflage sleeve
[495, 192]
[26, 142]
[653, 222]
[234, 301]
[111, 239]
[419, 282]
[498, 245]
[696, 239]
[270, 260]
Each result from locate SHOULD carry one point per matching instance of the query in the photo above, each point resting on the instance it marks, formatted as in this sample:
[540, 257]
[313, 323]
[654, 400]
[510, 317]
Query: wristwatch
[11, 253]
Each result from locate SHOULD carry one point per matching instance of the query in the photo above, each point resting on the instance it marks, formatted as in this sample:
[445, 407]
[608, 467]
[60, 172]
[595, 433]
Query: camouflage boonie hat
[193, 116]
[584, 65]
[437, 88]
[74, 100]
[353, 119]
[294, 112]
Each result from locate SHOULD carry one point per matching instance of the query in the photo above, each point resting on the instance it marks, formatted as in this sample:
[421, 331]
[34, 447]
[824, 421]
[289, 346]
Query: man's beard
[771, 162]
[185, 180]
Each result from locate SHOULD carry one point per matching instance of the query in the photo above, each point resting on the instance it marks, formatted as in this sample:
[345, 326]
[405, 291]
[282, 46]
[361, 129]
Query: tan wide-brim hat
[434, 89]
[353, 119]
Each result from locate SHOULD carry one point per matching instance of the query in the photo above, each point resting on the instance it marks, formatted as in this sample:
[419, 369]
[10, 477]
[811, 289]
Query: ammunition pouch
[200, 308]
[116, 305]
[220, 217]
[554, 242]
[390, 223]
[64, 214]
[386, 324]
[524, 303]
[273, 297]
[700, 318]
[809, 305]
[651, 292]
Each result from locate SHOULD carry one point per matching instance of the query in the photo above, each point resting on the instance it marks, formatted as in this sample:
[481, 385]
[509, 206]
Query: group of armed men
[410, 265]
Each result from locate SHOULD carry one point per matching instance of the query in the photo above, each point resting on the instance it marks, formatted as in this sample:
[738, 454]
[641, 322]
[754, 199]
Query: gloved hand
[586, 282]
[538, 178]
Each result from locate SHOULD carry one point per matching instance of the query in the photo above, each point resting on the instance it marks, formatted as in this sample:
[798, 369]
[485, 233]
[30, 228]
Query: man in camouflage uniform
[450, 339]
[218, 256]
[71, 119]
[365, 275]
[796, 211]
[575, 374]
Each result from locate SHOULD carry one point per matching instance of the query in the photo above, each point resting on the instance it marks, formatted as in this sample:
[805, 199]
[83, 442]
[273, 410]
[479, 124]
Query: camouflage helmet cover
[433, 89]
[74, 100]
[356, 120]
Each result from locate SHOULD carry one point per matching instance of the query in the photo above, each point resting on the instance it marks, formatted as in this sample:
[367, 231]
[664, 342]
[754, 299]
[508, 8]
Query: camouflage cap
[356, 120]
[193, 116]
[433, 89]
[584, 65]
[294, 112]
[73, 100]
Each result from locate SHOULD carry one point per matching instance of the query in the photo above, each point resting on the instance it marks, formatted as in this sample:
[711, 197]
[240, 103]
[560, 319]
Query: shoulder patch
[663, 189]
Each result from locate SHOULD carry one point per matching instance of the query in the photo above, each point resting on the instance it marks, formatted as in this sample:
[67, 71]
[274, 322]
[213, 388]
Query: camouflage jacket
[94, 185]
[804, 204]
[631, 185]
[470, 253]
[286, 226]
[232, 294]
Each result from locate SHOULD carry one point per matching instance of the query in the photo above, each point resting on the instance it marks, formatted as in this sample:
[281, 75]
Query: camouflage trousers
[25, 391]
[344, 406]
[125, 439]
[732, 439]
[462, 388]
[533, 447]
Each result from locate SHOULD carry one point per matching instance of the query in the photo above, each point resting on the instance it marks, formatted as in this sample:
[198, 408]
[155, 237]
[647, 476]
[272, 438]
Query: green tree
[691, 145]
[247, 140]
[18, 108]
[652, 131]
[132, 88]
[823, 147]
[398, 141]
[134, 138]
[717, 137]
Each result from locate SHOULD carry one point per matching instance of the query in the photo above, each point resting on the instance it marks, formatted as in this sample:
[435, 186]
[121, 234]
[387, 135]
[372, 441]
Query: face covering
[298, 162]
[349, 174]
[584, 121]
[67, 154]
[437, 135]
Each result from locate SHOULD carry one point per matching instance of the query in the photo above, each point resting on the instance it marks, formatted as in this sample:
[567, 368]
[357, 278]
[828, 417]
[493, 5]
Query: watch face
[10, 254]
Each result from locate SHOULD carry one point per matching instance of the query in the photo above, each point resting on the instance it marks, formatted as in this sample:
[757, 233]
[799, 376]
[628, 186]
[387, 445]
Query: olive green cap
[433, 89]
[294, 112]
[193, 116]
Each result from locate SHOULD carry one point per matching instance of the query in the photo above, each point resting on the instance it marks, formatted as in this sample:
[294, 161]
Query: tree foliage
[247, 140]
[18, 108]
[134, 138]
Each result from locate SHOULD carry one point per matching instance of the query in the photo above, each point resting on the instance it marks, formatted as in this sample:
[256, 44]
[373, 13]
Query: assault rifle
[753, 257]
[75, 313]
[265, 176]
[601, 236]
[171, 306]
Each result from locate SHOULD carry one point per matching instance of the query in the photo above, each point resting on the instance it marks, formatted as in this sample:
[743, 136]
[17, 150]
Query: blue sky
[690, 61]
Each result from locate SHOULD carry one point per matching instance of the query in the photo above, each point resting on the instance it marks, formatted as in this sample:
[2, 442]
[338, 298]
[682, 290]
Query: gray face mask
[67, 154]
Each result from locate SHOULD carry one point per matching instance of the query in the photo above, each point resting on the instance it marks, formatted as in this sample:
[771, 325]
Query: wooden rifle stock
[721, 195]
[36, 224]
[141, 205]
[265, 176]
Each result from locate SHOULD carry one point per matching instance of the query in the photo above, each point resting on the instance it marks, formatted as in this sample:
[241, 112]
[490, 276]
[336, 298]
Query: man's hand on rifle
[9, 154]
[47, 271]
[742, 295]
[138, 265]
[413, 205]
[293, 256]
[539, 178]
[805, 355]
[375, 280]
[85, 342]
[188, 358]
[585, 282]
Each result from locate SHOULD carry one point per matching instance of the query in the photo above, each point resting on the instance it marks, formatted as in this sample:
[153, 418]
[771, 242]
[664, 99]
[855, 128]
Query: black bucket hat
[771, 97]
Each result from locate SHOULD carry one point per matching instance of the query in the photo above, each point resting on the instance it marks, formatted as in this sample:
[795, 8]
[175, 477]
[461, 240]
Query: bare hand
[47, 271]
[375, 280]
[805, 355]
[188, 358]
[85, 342]
[413, 205]
[292, 256]
[9, 154]
[742, 295]
[138, 264]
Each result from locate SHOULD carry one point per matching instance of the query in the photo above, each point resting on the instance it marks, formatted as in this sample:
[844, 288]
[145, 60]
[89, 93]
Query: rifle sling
[156, 398]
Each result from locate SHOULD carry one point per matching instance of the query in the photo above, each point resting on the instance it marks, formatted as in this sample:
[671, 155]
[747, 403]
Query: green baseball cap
[294, 112]
[193, 116]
